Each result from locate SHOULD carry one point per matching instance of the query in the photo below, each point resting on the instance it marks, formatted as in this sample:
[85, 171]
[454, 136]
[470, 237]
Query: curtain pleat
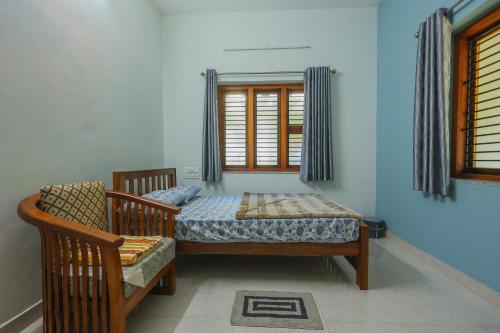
[317, 159]
[431, 160]
[211, 164]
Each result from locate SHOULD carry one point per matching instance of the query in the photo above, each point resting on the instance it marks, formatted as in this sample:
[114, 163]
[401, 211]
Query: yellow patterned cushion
[84, 203]
[134, 249]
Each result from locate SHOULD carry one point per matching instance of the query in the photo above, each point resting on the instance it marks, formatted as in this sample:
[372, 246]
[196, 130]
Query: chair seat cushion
[140, 274]
[133, 249]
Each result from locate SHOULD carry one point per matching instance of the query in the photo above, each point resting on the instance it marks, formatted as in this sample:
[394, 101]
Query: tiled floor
[404, 296]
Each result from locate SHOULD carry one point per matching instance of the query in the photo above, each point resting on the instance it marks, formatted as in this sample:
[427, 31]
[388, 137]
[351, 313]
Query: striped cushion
[134, 249]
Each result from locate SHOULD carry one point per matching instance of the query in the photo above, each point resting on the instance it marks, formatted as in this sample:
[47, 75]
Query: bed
[208, 225]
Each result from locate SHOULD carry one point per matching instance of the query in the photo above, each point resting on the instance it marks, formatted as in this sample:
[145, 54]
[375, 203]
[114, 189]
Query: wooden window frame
[461, 75]
[280, 128]
[291, 129]
[283, 126]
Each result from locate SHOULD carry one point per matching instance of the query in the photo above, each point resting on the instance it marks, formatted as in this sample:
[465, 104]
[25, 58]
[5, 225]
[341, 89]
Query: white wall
[80, 96]
[342, 38]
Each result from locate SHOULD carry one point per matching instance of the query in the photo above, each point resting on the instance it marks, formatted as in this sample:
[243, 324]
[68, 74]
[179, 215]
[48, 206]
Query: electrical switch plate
[191, 172]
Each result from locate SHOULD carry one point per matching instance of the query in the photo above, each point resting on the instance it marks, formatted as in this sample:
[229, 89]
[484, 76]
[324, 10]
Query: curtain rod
[270, 48]
[448, 10]
[264, 73]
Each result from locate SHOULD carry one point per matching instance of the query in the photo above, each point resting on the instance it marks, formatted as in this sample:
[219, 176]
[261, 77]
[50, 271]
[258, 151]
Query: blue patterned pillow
[189, 191]
[172, 196]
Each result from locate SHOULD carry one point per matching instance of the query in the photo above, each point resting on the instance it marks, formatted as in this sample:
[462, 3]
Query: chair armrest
[135, 215]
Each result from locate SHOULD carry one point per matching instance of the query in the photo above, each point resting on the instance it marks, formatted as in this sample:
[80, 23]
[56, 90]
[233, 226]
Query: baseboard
[489, 295]
[24, 319]
[36, 327]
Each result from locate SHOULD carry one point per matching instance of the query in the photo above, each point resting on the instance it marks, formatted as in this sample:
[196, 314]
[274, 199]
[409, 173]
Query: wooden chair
[69, 291]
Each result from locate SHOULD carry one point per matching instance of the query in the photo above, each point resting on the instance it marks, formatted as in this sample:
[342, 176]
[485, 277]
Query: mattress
[212, 219]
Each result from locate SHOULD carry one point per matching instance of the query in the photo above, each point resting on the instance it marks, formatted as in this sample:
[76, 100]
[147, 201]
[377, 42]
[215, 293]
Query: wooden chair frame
[356, 252]
[61, 240]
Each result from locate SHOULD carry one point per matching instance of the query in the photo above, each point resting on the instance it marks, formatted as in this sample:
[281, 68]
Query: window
[476, 121]
[261, 127]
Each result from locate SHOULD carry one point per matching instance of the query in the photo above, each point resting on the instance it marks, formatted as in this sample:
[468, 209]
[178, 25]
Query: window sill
[477, 179]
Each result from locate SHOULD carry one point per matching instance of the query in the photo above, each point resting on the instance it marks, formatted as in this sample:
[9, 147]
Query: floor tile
[401, 328]
[404, 296]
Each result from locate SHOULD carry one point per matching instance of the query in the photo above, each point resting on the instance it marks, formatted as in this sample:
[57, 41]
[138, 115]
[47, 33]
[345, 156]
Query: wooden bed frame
[143, 181]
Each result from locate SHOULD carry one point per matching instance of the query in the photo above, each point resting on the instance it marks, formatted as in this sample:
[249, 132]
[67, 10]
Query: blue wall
[464, 230]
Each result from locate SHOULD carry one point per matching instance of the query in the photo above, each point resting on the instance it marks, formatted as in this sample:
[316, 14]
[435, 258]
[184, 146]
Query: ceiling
[200, 6]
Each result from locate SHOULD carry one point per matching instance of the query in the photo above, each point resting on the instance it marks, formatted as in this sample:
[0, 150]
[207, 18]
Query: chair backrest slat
[95, 286]
[75, 295]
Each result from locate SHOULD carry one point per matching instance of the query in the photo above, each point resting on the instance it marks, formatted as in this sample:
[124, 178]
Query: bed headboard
[140, 182]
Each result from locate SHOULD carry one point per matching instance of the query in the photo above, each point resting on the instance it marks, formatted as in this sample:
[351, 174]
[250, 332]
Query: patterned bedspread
[212, 219]
[290, 206]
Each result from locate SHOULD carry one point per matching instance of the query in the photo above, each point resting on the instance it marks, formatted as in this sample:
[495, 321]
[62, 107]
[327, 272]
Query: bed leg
[362, 259]
[170, 285]
[167, 286]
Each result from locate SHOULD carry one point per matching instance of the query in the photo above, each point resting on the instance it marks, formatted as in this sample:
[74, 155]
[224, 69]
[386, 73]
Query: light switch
[191, 172]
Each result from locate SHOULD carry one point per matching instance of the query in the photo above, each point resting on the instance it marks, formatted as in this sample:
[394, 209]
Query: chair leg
[118, 326]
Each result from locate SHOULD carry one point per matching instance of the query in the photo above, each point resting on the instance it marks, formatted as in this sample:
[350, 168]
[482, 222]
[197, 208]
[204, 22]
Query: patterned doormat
[275, 309]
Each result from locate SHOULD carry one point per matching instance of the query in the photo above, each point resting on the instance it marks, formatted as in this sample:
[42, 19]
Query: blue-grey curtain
[211, 164]
[431, 161]
[317, 159]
